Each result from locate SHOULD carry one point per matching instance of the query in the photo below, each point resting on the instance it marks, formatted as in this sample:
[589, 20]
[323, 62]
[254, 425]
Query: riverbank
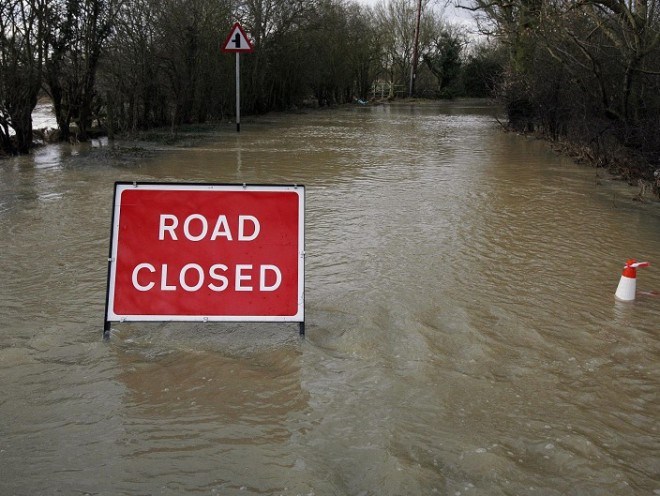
[621, 164]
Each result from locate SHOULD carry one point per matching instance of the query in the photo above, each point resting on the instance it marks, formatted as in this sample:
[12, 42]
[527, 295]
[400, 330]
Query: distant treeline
[586, 73]
[127, 65]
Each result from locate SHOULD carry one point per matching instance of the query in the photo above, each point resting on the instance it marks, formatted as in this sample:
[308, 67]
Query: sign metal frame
[111, 289]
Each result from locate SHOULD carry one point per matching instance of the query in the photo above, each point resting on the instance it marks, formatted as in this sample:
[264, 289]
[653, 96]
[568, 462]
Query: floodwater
[462, 332]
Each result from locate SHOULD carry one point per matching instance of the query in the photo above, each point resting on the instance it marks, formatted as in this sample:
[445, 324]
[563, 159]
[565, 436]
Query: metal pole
[238, 93]
[413, 68]
[106, 322]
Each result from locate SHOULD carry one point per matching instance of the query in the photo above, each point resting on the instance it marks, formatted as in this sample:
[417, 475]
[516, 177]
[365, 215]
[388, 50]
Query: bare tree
[588, 70]
[22, 31]
[79, 30]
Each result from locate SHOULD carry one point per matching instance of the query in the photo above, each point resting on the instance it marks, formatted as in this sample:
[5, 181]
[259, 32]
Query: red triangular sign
[237, 41]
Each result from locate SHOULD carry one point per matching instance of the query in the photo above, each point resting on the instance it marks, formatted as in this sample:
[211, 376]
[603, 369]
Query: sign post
[238, 92]
[238, 42]
[206, 252]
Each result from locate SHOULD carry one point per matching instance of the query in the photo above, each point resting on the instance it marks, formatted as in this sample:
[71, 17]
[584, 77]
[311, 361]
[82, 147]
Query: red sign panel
[207, 252]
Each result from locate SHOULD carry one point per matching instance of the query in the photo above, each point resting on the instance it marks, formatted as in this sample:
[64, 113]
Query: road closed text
[193, 277]
[212, 252]
[195, 227]
[216, 277]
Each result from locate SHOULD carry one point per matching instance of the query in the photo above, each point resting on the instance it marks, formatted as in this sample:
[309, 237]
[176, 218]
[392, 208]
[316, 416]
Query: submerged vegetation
[585, 74]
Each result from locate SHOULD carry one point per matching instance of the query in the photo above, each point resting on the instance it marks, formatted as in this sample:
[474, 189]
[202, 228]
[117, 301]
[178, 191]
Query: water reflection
[241, 397]
[48, 156]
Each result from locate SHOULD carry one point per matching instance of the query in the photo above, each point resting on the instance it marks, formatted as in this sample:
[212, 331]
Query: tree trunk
[22, 123]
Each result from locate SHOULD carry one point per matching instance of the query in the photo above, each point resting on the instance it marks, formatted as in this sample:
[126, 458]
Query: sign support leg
[302, 328]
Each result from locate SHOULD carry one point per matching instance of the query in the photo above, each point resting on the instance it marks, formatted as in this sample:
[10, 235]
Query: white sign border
[120, 187]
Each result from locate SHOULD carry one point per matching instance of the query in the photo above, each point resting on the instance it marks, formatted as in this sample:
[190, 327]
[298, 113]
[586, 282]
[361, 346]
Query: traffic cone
[628, 282]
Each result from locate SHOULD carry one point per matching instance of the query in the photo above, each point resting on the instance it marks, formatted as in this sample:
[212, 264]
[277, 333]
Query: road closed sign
[206, 252]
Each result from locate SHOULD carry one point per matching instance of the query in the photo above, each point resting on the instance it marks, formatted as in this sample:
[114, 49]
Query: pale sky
[454, 15]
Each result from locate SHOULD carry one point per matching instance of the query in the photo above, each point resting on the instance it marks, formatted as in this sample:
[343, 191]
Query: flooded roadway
[462, 333]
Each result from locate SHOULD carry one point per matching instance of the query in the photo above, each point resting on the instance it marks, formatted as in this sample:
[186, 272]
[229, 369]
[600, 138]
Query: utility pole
[413, 66]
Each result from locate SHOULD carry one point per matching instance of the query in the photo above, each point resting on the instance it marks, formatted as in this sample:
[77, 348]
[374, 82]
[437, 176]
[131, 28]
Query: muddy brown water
[462, 332]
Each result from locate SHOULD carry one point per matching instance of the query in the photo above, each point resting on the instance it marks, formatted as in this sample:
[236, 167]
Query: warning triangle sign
[237, 41]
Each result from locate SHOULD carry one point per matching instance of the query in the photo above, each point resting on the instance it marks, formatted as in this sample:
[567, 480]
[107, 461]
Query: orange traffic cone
[628, 282]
